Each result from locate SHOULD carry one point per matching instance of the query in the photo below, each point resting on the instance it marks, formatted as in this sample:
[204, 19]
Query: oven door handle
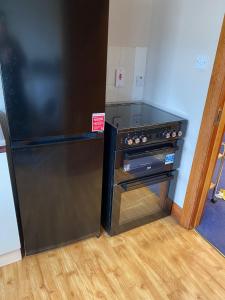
[129, 186]
[151, 152]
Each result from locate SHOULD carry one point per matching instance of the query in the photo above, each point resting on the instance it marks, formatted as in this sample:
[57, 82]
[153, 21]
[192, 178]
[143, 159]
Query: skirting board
[10, 258]
[176, 212]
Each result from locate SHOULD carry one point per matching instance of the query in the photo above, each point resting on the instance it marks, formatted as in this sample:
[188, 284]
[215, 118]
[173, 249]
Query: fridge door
[53, 65]
[59, 189]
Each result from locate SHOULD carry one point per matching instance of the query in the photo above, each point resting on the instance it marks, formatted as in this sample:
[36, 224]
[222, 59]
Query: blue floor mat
[212, 226]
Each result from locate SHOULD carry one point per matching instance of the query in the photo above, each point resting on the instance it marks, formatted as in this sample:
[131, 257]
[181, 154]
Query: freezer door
[59, 189]
[53, 62]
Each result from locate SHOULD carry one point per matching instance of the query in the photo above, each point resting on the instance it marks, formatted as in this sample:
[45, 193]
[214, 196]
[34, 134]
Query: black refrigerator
[53, 56]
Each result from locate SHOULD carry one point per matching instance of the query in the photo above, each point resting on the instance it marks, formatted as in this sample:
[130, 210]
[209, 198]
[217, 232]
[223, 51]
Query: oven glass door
[141, 201]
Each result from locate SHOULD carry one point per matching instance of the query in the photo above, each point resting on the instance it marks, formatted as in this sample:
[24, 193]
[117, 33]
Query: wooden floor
[157, 261]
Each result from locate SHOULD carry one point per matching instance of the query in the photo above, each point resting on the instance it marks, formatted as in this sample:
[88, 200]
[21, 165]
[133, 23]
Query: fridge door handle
[57, 140]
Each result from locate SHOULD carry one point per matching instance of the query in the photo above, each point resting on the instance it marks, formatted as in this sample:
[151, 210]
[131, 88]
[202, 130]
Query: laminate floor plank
[156, 261]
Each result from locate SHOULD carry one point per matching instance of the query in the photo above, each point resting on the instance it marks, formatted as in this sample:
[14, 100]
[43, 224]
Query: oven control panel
[148, 136]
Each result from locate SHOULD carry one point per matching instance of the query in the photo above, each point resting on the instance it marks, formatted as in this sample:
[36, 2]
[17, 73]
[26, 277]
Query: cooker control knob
[144, 139]
[129, 141]
[137, 140]
[180, 133]
[167, 134]
[174, 134]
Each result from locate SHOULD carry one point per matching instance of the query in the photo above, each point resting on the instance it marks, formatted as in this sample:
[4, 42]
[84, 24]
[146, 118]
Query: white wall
[2, 103]
[9, 235]
[182, 30]
[129, 23]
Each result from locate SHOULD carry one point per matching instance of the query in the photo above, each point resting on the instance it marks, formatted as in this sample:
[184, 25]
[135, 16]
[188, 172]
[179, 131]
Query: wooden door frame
[210, 136]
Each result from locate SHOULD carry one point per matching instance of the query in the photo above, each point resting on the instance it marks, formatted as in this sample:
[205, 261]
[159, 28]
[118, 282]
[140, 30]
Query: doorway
[208, 145]
[212, 225]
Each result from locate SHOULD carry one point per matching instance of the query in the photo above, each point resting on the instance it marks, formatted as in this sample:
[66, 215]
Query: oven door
[132, 164]
[141, 201]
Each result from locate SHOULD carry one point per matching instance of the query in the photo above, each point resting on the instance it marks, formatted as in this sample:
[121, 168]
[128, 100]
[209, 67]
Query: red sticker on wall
[98, 122]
